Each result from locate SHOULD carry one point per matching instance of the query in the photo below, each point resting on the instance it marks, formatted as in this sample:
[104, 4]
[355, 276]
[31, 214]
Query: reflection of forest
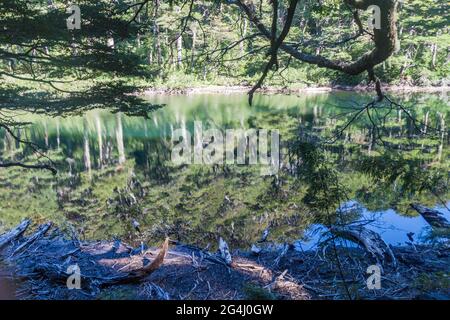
[114, 168]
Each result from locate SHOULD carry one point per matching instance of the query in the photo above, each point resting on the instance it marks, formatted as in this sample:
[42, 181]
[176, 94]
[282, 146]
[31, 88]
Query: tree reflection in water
[115, 168]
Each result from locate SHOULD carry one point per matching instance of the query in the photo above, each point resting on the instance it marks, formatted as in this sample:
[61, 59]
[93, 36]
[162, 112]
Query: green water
[114, 168]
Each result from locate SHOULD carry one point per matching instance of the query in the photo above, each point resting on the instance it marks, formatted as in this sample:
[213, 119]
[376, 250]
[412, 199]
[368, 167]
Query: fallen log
[155, 264]
[215, 258]
[433, 217]
[100, 263]
[42, 230]
[370, 240]
[43, 268]
[104, 272]
[14, 233]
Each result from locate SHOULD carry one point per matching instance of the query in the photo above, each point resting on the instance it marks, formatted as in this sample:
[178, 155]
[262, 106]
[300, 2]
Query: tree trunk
[426, 122]
[194, 40]
[434, 49]
[156, 34]
[179, 51]
[58, 135]
[244, 34]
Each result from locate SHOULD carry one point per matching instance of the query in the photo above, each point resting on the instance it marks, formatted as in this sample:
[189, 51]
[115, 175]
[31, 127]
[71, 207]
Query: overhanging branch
[385, 38]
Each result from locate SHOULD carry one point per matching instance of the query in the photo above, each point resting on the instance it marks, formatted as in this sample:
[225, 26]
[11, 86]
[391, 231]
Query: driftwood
[101, 264]
[225, 252]
[41, 266]
[42, 230]
[104, 276]
[370, 240]
[14, 233]
[264, 236]
[44, 264]
[215, 258]
[155, 264]
[432, 217]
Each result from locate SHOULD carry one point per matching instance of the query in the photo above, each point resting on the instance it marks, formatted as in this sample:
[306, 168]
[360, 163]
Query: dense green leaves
[209, 41]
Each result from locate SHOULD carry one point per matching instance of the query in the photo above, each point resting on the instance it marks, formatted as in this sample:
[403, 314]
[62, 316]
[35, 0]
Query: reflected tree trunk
[434, 50]
[315, 112]
[98, 126]
[145, 128]
[119, 139]
[87, 151]
[58, 135]
[46, 134]
[442, 132]
[425, 122]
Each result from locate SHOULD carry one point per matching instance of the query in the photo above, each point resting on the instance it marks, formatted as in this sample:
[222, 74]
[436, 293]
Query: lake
[115, 170]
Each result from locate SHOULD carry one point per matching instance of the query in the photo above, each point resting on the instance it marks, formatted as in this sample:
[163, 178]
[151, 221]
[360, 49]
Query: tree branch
[385, 38]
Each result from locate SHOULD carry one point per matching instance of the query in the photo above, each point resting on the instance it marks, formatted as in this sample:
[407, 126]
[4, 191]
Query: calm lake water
[114, 169]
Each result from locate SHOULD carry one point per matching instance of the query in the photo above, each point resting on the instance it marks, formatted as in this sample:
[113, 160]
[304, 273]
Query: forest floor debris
[112, 270]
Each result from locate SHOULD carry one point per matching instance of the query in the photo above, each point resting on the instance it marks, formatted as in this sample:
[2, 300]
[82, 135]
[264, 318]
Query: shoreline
[275, 271]
[213, 89]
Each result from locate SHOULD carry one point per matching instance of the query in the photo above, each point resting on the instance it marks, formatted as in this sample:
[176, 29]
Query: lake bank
[114, 270]
[284, 90]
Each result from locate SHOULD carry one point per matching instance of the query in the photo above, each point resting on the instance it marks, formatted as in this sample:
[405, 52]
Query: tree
[44, 65]
[40, 58]
[384, 39]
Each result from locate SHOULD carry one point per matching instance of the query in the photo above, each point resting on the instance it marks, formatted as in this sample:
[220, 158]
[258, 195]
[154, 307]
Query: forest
[96, 97]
